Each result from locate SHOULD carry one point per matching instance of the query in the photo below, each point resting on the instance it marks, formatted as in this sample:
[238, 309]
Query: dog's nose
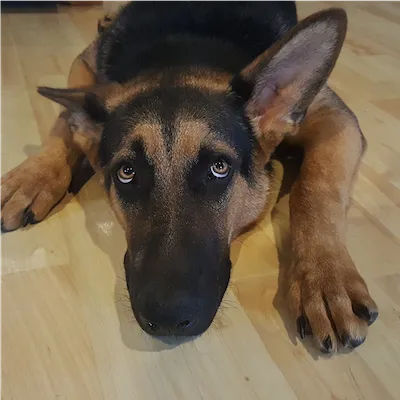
[176, 317]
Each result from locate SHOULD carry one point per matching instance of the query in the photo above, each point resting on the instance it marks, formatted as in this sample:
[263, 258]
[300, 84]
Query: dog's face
[182, 176]
[183, 160]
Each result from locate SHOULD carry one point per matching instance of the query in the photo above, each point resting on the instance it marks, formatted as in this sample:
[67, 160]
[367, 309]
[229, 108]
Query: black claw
[327, 345]
[303, 326]
[365, 313]
[28, 218]
[373, 317]
[351, 342]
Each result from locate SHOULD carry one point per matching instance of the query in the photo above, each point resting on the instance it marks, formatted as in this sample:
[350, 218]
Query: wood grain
[67, 329]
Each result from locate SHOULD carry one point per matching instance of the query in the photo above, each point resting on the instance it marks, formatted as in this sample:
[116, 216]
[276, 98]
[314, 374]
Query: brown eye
[220, 169]
[126, 173]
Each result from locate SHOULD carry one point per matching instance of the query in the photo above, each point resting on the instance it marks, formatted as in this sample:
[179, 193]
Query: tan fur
[248, 201]
[125, 93]
[205, 80]
[190, 134]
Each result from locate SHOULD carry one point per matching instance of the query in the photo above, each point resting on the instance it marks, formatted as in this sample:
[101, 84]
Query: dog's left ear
[282, 82]
[87, 114]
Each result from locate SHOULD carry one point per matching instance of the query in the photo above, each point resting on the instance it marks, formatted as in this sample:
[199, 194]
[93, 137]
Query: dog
[180, 107]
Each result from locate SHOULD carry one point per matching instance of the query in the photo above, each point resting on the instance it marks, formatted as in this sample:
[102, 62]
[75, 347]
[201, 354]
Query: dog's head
[183, 156]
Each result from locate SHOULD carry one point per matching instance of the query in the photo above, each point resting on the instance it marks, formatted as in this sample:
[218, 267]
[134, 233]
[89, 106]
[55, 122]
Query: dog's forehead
[166, 144]
[174, 124]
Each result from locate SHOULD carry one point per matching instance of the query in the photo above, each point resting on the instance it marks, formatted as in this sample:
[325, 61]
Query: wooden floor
[67, 329]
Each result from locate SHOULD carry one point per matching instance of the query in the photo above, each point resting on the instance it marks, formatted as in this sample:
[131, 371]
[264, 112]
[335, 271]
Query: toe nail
[327, 345]
[352, 342]
[28, 218]
[365, 313]
[373, 315]
[301, 326]
[355, 342]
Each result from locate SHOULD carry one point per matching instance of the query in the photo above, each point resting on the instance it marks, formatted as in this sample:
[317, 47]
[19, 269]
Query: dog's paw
[330, 300]
[31, 190]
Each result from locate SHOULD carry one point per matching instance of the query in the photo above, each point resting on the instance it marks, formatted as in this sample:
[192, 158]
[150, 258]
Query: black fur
[223, 35]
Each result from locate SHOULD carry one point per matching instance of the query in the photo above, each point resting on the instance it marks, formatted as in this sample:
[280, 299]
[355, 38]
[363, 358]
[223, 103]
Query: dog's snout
[176, 316]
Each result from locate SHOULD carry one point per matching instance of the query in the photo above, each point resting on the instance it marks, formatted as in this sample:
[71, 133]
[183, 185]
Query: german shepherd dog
[180, 106]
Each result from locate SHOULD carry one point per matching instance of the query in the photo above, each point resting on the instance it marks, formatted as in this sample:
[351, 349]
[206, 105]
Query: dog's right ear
[86, 106]
[87, 114]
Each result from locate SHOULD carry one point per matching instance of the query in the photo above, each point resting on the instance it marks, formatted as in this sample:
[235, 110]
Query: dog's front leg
[325, 292]
[32, 189]
[289, 101]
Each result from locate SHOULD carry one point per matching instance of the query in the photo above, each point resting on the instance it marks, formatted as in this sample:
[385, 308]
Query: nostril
[185, 324]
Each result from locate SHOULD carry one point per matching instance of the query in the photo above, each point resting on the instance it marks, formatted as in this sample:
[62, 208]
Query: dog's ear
[282, 82]
[87, 114]
[86, 106]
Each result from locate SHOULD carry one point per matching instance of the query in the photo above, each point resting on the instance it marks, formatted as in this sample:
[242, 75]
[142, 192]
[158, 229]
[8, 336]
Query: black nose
[177, 316]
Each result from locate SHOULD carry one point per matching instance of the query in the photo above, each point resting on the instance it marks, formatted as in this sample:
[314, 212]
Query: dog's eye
[126, 173]
[220, 169]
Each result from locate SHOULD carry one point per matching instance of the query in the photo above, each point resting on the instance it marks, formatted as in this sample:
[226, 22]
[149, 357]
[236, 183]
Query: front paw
[329, 300]
[32, 189]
